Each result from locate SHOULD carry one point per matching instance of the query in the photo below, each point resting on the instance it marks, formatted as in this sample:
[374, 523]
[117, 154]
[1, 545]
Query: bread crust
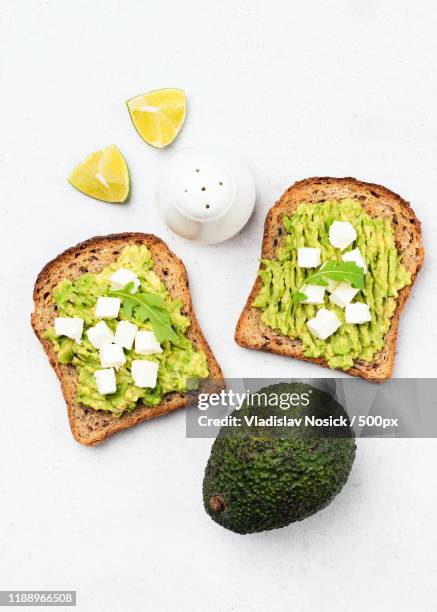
[89, 426]
[377, 201]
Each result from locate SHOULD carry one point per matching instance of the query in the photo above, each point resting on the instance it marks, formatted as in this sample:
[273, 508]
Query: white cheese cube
[144, 373]
[122, 277]
[107, 307]
[125, 334]
[105, 380]
[332, 285]
[343, 295]
[342, 234]
[355, 255]
[112, 356]
[72, 327]
[324, 324]
[315, 294]
[308, 257]
[358, 313]
[100, 334]
[146, 343]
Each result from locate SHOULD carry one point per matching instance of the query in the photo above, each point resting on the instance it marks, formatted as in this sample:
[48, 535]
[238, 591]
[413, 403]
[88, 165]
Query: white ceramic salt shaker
[206, 195]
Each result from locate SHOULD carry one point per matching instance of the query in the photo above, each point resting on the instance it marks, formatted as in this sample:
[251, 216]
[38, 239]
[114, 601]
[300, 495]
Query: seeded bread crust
[377, 202]
[91, 426]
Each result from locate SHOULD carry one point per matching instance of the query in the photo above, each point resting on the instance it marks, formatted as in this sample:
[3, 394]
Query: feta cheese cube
[324, 324]
[358, 313]
[72, 327]
[122, 277]
[146, 343]
[100, 334]
[144, 373]
[125, 334]
[355, 255]
[105, 380]
[107, 307]
[332, 285]
[308, 257]
[315, 294]
[343, 294]
[112, 356]
[342, 234]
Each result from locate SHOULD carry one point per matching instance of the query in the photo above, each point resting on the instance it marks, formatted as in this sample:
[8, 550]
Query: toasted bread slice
[91, 426]
[377, 201]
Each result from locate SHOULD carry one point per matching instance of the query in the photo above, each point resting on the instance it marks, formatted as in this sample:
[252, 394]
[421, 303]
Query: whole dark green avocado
[261, 478]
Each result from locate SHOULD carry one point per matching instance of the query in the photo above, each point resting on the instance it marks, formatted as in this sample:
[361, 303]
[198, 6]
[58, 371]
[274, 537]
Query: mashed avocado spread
[281, 278]
[178, 362]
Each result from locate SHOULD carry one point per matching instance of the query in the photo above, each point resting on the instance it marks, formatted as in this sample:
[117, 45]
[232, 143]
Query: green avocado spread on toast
[282, 278]
[179, 362]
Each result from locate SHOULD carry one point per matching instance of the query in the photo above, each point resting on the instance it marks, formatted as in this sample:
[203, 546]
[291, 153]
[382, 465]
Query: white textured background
[342, 88]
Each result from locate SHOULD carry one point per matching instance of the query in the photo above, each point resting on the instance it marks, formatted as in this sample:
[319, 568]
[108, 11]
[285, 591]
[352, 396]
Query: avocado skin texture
[265, 481]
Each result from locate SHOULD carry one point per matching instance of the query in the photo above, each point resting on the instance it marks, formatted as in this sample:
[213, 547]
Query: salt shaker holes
[206, 195]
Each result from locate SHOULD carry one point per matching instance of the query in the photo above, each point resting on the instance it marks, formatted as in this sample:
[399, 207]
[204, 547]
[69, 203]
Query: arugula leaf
[147, 306]
[128, 288]
[128, 307]
[141, 313]
[152, 299]
[345, 271]
[298, 296]
[160, 320]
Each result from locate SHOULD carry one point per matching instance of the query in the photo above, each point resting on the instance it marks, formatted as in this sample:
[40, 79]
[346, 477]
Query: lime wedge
[103, 175]
[158, 115]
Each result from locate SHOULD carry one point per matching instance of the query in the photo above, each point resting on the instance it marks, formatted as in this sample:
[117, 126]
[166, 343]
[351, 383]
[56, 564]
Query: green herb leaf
[160, 320]
[147, 307]
[345, 271]
[298, 297]
[152, 299]
[128, 288]
[128, 307]
[141, 313]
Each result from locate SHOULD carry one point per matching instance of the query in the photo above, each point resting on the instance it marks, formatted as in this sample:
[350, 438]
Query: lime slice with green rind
[158, 115]
[103, 175]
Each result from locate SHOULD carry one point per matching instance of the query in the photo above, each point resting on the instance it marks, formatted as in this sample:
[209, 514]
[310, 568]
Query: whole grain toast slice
[91, 426]
[377, 201]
